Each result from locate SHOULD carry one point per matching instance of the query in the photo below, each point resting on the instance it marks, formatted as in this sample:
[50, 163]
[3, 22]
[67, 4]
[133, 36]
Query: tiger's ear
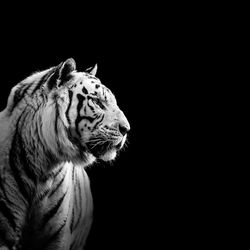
[92, 70]
[61, 74]
[66, 68]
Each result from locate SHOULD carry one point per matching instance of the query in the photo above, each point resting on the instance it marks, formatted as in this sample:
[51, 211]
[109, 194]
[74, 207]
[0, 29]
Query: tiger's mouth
[106, 149]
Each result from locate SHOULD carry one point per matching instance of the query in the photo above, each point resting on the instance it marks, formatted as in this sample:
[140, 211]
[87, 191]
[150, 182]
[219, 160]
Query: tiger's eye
[99, 103]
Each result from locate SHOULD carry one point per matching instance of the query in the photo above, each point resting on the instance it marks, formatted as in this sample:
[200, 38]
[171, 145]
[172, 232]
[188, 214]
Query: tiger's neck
[27, 153]
[33, 145]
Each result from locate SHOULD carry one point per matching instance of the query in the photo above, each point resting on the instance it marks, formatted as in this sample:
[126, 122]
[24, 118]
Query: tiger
[56, 122]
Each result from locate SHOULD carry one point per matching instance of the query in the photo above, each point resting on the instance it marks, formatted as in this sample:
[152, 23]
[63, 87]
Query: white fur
[110, 155]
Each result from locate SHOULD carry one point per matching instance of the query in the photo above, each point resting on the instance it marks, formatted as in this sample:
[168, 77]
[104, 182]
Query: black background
[158, 190]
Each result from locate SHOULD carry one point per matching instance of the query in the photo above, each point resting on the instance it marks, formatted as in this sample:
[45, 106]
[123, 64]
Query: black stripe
[79, 192]
[81, 99]
[105, 97]
[85, 91]
[41, 197]
[76, 206]
[91, 76]
[18, 96]
[22, 154]
[97, 101]
[56, 119]
[57, 172]
[79, 106]
[42, 80]
[13, 162]
[57, 115]
[54, 236]
[7, 214]
[80, 209]
[69, 105]
[57, 186]
[92, 108]
[2, 187]
[72, 220]
[94, 93]
[89, 118]
[50, 214]
[73, 173]
[75, 193]
[27, 165]
[84, 188]
[98, 122]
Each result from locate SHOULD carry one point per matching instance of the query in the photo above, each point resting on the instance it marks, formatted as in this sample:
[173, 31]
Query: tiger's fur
[56, 123]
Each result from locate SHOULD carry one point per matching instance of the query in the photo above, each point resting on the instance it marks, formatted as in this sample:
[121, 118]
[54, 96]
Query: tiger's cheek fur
[81, 117]
[87, 130]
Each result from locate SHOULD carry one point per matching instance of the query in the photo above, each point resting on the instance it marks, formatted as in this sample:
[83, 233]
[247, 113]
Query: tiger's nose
[124, 128]
[123, 124]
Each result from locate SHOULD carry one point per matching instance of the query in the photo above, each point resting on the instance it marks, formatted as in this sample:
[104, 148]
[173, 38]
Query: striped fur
[56, 123]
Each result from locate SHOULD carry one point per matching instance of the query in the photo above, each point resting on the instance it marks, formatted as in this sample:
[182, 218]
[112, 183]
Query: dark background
[157, 63]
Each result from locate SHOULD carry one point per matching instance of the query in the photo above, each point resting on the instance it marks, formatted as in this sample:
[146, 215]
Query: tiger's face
[94, 117]
[89, 111]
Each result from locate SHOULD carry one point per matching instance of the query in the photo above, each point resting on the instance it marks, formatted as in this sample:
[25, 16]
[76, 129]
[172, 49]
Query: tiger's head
[79, 116]
[93, 115]
[90, 112]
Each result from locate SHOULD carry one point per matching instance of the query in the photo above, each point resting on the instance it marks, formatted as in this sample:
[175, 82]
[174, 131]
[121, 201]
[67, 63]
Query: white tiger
[57, 122]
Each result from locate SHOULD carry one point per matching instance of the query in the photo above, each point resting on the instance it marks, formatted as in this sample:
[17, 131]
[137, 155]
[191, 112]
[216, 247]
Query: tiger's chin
[109, 155]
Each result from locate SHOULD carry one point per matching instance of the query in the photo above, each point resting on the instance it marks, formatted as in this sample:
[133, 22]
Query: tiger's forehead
[87, 84]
